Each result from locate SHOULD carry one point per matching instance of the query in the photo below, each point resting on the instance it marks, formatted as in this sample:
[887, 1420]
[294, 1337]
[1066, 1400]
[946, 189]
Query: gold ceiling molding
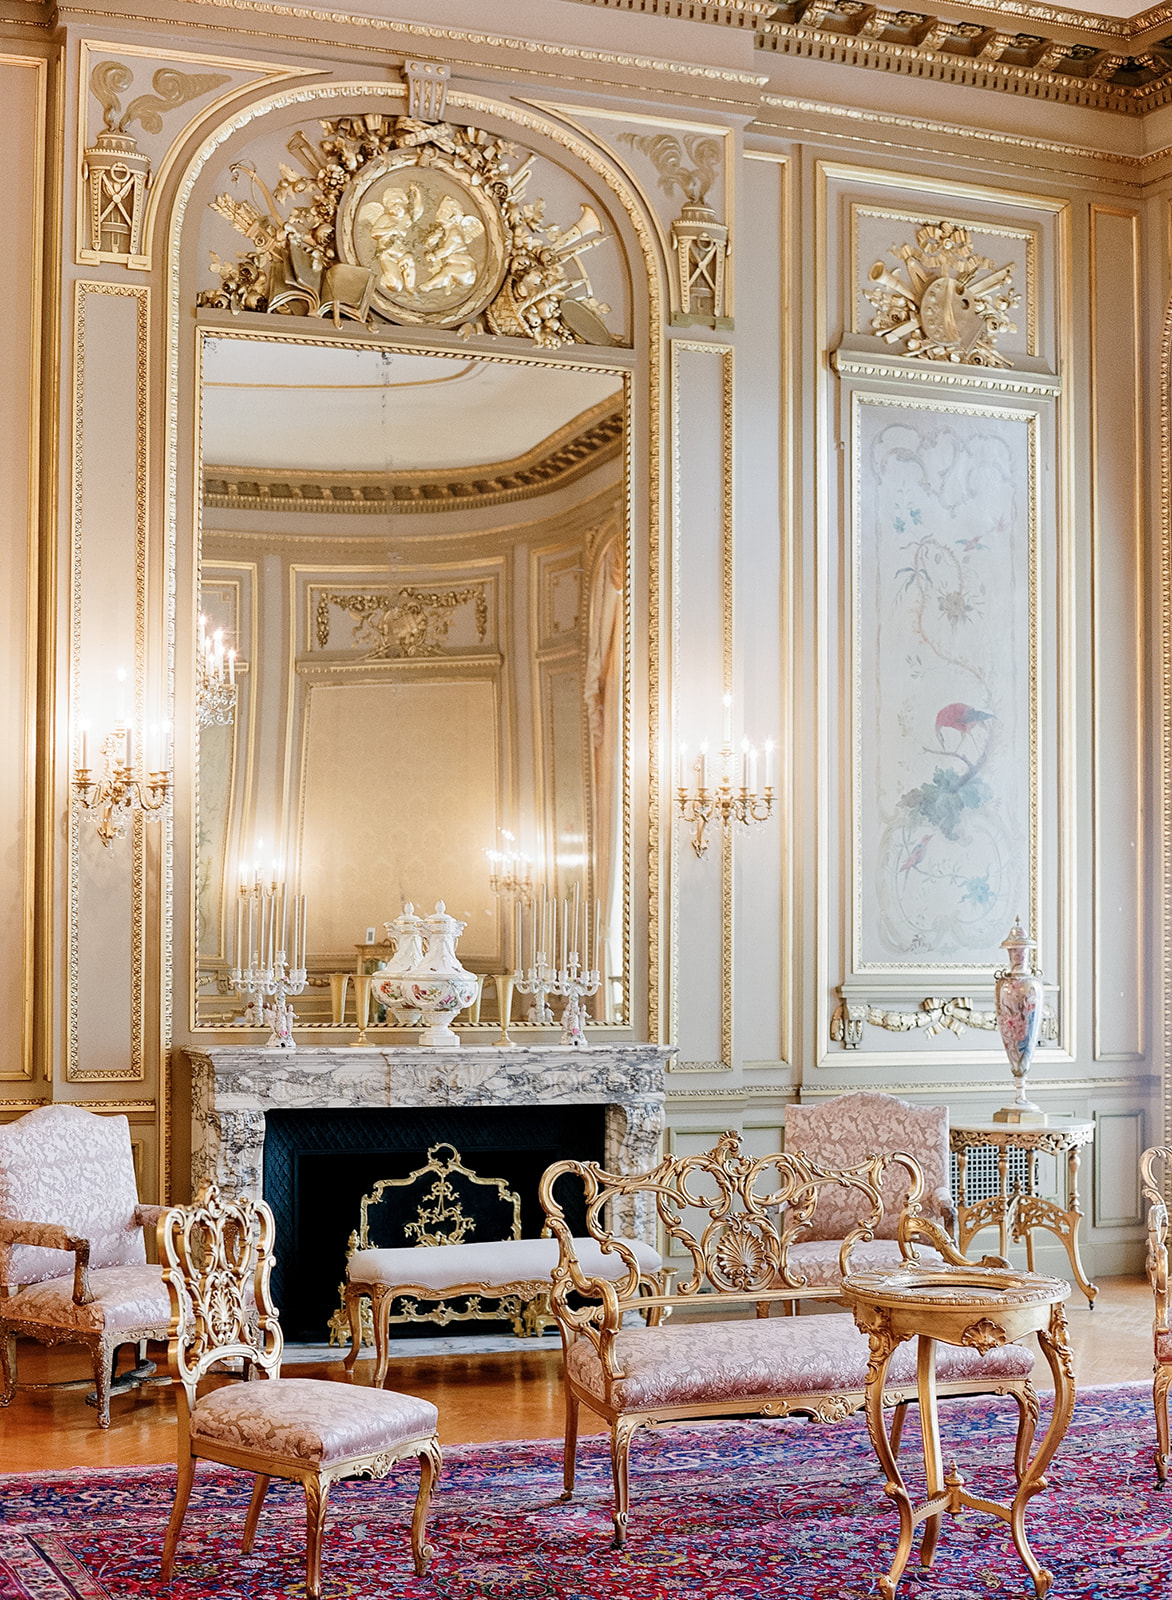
[1105, 75]
[587, 442]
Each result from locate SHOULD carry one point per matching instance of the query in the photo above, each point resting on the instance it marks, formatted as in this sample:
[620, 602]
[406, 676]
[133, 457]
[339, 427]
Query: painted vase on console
[439, 985]
[407, 932]
[1018, 999]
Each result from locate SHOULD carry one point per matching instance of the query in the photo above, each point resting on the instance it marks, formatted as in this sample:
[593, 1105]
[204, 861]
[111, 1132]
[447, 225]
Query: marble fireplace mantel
[234, 1086]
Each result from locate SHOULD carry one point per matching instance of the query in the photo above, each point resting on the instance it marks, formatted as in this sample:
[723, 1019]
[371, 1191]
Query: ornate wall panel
[23, 83]
[105, 993]
[1120, 990]
[702, 672]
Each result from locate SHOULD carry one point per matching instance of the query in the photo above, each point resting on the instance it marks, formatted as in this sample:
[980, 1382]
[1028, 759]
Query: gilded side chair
[67, 1189]
[850, 1129]
[1155, 1171]
[217, 1257]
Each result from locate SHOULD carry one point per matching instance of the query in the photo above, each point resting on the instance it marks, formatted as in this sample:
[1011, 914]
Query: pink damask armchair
[67, 1189]
[1155, 1165]
[850, 1129]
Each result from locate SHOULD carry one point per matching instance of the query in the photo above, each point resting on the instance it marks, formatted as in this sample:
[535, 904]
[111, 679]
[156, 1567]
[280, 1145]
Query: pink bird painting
[914, 856]
[960, 718]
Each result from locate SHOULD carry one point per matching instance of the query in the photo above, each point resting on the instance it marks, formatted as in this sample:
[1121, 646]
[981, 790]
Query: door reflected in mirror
[419, 559]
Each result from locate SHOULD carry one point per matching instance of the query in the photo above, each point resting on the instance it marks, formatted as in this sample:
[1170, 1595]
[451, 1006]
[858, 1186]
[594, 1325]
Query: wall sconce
[215, 678]
[726, 803]
[508, 871]
[117, 791]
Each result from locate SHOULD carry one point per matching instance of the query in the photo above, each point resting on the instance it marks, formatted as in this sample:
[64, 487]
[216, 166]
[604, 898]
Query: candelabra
[723, 802]
[573, 980]
[266, 978]
[117, 791]
[508, 872]
[215, 678]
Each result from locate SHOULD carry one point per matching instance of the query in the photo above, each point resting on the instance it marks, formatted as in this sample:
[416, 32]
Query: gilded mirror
[419, 558]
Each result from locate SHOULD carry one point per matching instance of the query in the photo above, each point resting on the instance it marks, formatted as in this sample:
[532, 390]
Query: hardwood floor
[511, 1395]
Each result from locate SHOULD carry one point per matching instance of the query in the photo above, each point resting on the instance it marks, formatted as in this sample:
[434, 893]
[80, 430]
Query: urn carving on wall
[1018, 999]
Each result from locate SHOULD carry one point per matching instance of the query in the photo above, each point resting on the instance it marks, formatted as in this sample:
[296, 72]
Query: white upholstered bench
[736, 1224]
[496, 1278]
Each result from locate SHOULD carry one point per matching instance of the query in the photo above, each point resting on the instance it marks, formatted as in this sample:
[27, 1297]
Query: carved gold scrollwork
[414, 221]
[116, 173]
[699, 239]
[934, 1015]
[414, 623]
[951, 304]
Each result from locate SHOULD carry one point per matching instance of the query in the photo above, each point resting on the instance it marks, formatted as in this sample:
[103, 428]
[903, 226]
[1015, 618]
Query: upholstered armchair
[67, 1190]
[1155, 1168]
[850, 1129]
[217, 1259]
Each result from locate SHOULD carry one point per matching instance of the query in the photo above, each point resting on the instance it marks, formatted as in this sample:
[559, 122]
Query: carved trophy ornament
[699, 240]
[116, 172]
[412, 222]
[954, 303]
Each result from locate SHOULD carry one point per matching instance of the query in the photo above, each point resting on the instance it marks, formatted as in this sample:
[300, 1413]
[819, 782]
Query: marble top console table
[235, 1086]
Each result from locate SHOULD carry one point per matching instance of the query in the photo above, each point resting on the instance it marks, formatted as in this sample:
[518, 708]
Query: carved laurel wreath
[415, 222]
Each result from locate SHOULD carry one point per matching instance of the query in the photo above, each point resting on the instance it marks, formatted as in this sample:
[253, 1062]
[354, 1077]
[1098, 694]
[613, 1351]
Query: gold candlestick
[504, 1006]
[362, 983]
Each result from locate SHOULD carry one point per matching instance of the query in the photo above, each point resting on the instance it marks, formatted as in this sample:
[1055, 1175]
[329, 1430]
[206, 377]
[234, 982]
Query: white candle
[251, 907]
[544, 919]
[574, 945]
[744, 763]
[551, 949]
[517, 942]
[597, 933]
[85, 745]
[284, 914]
[683, 774]
[769, 763]
[586, 936]
[752, 770]
[296, 928]
[301, 963]
[240, 961]
[704, 765]
[129, 758]
[565, 934]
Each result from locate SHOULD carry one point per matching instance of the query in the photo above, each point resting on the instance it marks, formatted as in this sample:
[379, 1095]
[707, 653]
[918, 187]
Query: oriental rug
[720, 1511]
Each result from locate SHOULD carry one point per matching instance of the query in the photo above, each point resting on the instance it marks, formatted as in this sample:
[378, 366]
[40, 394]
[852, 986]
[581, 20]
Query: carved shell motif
[745, 1255]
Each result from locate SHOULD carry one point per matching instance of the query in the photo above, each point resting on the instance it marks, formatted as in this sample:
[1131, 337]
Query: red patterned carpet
[725, 1511]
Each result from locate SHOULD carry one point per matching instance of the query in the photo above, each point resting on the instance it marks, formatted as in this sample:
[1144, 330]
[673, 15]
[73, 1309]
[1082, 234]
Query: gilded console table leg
[883, 1345]
[930, 1432]
[1057, 1353]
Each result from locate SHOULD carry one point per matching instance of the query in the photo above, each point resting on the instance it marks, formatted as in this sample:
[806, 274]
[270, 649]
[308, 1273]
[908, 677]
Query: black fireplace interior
[319, 1163]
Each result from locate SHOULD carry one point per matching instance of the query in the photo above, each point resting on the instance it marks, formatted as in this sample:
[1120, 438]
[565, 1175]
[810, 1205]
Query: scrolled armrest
[148, 1216]
[942, 1198]
[48, 1236]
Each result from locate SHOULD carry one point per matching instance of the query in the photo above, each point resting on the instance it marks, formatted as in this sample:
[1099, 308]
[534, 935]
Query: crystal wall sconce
[215, 678]
[700, 801]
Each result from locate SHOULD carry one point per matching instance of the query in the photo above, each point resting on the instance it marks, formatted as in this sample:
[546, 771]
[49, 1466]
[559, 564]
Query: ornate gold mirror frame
[645, 618]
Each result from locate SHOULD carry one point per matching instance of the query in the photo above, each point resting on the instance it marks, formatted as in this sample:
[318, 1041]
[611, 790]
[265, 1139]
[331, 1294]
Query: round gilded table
[981, 1307]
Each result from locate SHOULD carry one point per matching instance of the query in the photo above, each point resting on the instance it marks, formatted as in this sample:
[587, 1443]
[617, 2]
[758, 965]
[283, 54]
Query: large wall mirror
[419, 556]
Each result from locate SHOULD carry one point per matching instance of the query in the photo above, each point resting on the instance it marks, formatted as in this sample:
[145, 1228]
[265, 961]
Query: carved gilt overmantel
[234, 1087]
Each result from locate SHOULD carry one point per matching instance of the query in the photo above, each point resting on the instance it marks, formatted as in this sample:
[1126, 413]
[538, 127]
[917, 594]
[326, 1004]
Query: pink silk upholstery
[499, 1261]
[680, 1364]
[849, 1129]
[310, 1419]
[124, 1298]
[1164, 1349]
[68, 1166]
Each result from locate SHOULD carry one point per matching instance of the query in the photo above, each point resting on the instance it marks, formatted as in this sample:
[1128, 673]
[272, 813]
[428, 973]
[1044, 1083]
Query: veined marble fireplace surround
[235, 1086]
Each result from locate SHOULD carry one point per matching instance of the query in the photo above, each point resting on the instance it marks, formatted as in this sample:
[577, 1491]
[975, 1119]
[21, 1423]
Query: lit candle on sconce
[682, 781]
[704, 765]
[85, 746]
[769, 763]
[745, 784]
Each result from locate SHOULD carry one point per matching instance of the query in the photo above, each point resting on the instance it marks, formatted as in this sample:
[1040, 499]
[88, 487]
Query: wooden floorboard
[515, 1394]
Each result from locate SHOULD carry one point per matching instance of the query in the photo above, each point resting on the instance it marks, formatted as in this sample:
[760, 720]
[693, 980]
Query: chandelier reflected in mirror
[215, 678]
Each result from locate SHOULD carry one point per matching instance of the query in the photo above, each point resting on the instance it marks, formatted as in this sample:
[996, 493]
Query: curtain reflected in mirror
[419, 560]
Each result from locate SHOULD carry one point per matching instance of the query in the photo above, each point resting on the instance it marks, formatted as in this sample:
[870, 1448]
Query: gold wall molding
[974, 54]
[639, 650]
[850, 363]
[408, 623]
[1164, 800]
[135, 1071]
[555, 463]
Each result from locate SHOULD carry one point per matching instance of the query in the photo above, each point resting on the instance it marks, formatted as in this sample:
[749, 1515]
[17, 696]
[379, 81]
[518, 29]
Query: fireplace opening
[319, 1163]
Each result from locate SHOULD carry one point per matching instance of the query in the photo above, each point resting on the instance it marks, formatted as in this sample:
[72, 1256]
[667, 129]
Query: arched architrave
[640, 798]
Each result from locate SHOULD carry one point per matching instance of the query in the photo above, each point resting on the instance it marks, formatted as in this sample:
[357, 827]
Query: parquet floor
[510, 1395]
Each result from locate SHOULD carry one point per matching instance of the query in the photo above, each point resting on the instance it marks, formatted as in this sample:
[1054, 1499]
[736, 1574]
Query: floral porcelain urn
[1018, 1001]
[387, 989]
[439, 986]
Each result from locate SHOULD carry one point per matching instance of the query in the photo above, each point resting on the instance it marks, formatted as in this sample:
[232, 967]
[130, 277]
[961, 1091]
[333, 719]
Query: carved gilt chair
[217, 1257]
[67, 1189]
[1155, 1169]
[850, 1129]
[444, 1274]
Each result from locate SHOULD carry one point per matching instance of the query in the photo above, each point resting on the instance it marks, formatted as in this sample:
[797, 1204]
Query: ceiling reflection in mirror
[419, 560]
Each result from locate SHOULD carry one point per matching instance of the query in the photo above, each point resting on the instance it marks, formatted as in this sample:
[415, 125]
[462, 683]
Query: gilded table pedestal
[981, 1307]
[1015, 1208]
